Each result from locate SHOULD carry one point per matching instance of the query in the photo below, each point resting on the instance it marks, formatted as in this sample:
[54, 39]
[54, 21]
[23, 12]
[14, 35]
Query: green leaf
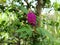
[26, 30]
[24, 9]
[57, 41]
[21, 29]
[46, 33]
[23, 35]
[29, 30]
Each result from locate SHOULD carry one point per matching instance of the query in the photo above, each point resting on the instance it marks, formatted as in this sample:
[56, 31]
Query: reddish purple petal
[31, 18]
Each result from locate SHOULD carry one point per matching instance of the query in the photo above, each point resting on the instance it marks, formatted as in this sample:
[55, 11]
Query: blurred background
[15, 29]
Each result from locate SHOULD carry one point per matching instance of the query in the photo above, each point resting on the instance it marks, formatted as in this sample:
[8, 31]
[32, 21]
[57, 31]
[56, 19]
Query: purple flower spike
[31, 17]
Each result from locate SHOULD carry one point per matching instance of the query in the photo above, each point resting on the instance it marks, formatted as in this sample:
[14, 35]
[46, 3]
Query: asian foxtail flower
[31, 17]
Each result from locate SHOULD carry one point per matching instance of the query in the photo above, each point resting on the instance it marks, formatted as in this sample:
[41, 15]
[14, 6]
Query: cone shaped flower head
[31, 17]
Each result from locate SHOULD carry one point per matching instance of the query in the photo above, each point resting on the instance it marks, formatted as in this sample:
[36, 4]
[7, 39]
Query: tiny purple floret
[31, 17]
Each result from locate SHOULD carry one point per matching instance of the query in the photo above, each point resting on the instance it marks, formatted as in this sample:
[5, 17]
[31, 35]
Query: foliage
[14, 27]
